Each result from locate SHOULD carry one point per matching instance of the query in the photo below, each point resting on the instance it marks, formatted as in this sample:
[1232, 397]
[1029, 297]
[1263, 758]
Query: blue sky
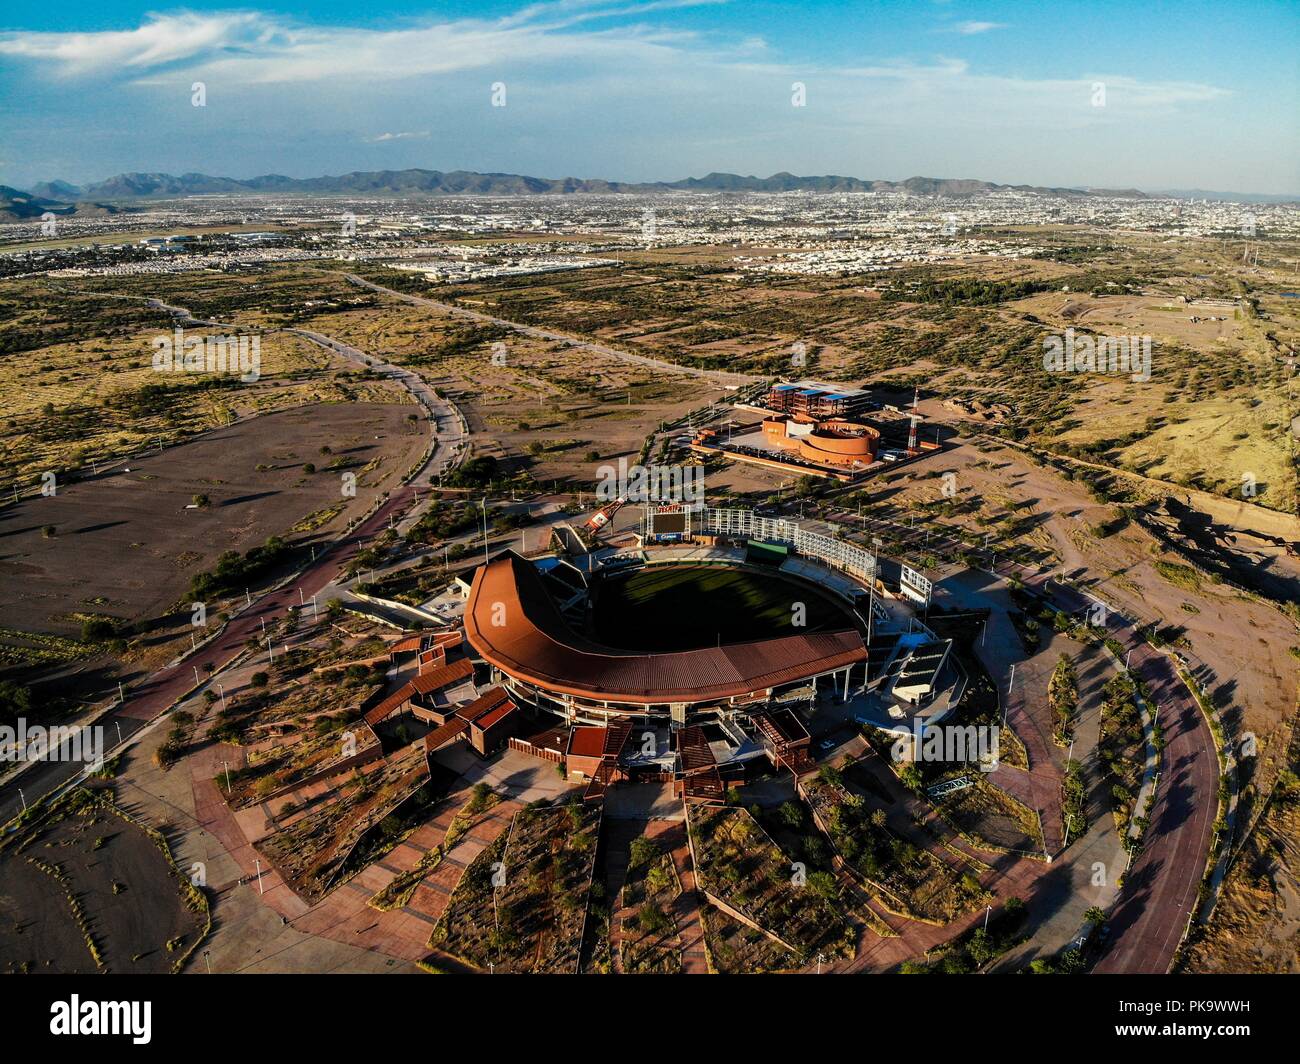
[1196, 95]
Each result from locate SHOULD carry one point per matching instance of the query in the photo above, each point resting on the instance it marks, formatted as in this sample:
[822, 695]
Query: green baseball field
[666, 608]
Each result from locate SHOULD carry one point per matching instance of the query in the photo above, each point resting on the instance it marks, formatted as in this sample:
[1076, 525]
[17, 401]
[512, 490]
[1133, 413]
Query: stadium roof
[533, 643]
[426, 683]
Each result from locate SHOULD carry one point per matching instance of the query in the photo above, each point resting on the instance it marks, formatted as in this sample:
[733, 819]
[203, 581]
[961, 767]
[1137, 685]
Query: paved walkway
[1087, 873]
[687, 908]
[1028, 712]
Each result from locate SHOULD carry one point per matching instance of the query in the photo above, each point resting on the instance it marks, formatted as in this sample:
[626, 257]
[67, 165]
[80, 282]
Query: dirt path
[578, 344]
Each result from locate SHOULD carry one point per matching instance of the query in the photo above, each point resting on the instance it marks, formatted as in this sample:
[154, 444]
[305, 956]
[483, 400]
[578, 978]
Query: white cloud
[256, 48]
[159, 41]
[951, 93]
[618, 99]
[382, 137]
[250, 49]
[968, 29]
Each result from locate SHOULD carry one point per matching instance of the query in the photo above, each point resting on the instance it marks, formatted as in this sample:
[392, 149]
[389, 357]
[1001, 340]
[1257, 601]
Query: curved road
[162, 689]
[1160, 890]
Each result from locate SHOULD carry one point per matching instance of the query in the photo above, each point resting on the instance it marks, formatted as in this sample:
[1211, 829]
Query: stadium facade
[523, 618]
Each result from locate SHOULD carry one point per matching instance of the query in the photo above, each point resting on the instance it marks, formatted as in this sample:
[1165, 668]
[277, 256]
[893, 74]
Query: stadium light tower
[871, 588]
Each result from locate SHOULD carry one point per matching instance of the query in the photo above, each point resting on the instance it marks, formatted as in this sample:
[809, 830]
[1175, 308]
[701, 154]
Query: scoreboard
[668, 522]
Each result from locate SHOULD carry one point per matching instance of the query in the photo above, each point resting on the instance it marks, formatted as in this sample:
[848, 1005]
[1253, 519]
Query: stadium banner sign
[915, 586]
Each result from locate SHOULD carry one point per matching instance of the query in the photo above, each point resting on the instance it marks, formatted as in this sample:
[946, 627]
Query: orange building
[836, 442]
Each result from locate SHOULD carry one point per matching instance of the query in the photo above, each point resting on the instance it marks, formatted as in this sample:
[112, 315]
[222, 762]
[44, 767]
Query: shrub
[96, 630]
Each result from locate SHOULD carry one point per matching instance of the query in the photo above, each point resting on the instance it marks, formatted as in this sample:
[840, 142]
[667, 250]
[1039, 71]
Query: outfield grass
[684, 607]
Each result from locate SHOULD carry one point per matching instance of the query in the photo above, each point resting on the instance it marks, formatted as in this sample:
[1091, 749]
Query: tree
[642, 851]
[259, 679]
[478, 800]
[981, 947]
[1095, 915]
[823, 885]
[96, 630]
[15, 701]
[653, 919]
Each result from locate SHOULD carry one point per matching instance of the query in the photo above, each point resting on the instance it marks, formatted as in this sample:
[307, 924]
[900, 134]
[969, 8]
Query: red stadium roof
[587, 741]
[484, 704]
[494, 716]
[433, 680]
[532, 642]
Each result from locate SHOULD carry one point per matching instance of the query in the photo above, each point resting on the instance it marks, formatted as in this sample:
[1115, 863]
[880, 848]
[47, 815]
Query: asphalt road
[1159, 893]
[165, 687]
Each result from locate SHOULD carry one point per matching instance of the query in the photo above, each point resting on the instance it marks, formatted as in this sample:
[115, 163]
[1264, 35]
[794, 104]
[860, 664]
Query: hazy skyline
[649, 90]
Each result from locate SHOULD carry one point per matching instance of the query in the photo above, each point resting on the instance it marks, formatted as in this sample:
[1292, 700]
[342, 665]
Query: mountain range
[17, 206]
[468, 182]
[62, 197]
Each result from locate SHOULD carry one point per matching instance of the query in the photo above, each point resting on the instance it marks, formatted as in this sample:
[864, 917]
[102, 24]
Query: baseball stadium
[717, 612]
